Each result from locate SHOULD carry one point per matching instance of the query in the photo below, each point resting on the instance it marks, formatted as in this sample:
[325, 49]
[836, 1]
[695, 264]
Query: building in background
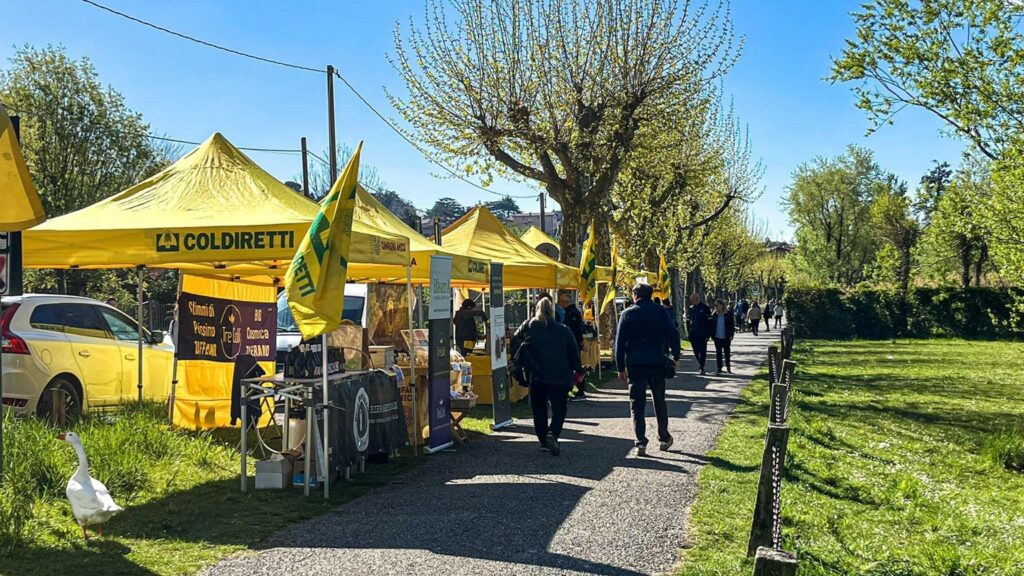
[552, 221]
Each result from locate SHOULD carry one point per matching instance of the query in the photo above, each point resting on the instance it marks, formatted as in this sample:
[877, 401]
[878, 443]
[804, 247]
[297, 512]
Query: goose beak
[60, 437]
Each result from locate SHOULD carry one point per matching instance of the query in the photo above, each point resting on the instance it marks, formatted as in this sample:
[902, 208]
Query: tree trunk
[979, 264]
[904, 270]
[574, 230]
[965, 264]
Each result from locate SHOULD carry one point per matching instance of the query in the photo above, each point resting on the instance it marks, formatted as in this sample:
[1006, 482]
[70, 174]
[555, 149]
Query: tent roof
[481, 235]
[465, 270]
[535, 237]
[212, 210]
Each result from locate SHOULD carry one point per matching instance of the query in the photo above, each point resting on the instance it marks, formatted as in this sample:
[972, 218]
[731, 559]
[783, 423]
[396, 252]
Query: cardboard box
[273, 474]
[382, 356]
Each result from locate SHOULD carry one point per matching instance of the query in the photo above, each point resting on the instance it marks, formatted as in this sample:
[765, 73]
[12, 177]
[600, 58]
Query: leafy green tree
[930, 190]
[1001, 214]
[829, 203]
[82, 144]
[394, 202]
[896, 227]
[556, 93]
[961, 60]
[446, 210]
[955, 243]
[504, 209]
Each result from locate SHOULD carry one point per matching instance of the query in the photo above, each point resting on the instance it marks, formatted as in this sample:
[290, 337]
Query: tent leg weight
[771, 562]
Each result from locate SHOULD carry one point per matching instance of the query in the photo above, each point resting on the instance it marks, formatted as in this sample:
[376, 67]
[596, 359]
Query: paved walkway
[502, 506]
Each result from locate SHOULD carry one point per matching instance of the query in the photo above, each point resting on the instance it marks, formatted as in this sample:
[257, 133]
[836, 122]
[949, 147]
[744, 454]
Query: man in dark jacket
[644, 337]
[554, 358]
[466, 333]
[698, 320]
[573, 320]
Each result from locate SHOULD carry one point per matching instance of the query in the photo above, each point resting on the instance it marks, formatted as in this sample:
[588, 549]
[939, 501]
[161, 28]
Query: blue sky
[188, 91]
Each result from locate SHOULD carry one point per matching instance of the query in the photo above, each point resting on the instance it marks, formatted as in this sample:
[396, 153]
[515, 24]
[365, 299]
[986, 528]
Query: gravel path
[502, 506]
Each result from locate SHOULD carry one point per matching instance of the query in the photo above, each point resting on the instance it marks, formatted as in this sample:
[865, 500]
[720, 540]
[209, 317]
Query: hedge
[831, 313]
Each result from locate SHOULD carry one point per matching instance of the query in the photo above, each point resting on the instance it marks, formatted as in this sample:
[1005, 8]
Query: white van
[288, 334]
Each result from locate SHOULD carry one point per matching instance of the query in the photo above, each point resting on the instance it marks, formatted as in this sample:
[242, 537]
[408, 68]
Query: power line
[347, 84]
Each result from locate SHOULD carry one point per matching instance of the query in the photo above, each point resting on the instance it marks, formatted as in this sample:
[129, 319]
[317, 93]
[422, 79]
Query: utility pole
[543, 224]
[330, 124]
[305, 168]
[437, 231]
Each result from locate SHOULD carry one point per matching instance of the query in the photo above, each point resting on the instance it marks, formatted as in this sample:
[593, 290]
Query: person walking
[572, 318]
[671, 311]
[768, 315]
[754, 317]
[779, 311]
[466, 333]
[741, 314]
[724, 326]
[643, 339]
[697, 319]
[554, 360]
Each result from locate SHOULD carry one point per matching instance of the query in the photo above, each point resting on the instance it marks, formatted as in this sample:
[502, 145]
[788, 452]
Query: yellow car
[85, 348]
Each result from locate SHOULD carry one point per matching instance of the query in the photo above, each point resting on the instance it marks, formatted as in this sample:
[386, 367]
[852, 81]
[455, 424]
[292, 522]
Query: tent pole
[326, 464]
[174, 365]
[412, 361]
[597, 323]
[142, 271]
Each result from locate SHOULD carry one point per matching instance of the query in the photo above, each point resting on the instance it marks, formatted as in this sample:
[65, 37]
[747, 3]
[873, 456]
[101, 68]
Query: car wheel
[72, 401]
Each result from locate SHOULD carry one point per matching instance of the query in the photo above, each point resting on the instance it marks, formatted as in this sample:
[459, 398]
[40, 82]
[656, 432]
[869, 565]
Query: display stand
[291, 390]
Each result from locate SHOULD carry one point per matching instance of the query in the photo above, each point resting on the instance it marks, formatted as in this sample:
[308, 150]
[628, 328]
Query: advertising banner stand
[439, 318]
[499, 359]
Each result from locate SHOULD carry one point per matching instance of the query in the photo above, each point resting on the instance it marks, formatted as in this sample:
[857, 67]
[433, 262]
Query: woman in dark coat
[723, 328]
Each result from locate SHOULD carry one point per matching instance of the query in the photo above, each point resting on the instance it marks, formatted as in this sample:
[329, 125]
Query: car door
[96, 352]
[156, 361]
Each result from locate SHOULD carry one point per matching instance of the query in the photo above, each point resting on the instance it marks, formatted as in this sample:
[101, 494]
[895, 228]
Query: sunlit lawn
[900, 463]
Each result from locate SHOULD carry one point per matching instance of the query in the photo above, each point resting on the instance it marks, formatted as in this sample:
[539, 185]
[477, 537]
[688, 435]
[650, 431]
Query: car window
[353, 312]
[122, 326]
[84, 320]
[48, 317]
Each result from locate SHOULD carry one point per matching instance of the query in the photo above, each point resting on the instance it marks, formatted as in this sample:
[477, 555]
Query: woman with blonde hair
[552, 357]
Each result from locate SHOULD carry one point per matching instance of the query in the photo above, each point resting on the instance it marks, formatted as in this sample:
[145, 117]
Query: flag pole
[325, 466]
[412, 361]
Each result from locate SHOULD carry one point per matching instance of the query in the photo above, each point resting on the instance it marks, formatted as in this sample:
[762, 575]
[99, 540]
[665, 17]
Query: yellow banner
[20, 207]
[588, 268]
[612, 286]
[664, 283]
[315, 282]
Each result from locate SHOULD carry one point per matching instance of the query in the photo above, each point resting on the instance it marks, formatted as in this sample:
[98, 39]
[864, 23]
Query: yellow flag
[20, 207]
[588, 268]
[315, 282]
[664, 284]
[610, 296]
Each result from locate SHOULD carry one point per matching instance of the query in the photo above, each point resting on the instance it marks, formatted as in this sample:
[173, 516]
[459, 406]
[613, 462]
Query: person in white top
[779, 311]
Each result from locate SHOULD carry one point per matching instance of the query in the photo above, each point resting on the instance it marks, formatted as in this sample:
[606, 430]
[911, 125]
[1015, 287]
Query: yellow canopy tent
[465, 269]
[212, 211]
[479, 234]
[540, 241]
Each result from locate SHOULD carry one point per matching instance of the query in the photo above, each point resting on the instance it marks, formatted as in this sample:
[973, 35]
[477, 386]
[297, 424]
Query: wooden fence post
[779, 408]
[773, 365]
[786, 373]
[770, 562]
[787, 343]
[766, 529]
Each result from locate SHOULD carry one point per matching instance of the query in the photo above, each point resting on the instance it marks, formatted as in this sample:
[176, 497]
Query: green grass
[903, 461]
[480, 418]
[181, 492]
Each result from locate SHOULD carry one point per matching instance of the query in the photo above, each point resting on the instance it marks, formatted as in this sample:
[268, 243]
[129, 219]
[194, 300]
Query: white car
[81, 346]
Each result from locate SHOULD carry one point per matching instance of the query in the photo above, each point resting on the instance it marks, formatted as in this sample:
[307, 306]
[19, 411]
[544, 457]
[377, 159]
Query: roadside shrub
[974, 313]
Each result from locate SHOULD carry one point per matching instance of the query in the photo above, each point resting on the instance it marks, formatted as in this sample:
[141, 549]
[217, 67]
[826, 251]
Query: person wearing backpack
[645, 337]
[548, 354]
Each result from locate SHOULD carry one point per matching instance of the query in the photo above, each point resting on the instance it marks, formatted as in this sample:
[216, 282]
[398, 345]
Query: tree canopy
[556, 93]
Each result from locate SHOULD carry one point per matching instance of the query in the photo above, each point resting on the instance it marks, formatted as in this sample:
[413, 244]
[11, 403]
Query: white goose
[90, 501]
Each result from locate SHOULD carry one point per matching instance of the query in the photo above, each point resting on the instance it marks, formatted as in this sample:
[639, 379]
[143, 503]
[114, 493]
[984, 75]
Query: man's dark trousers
[640, 379]
[700, 350]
